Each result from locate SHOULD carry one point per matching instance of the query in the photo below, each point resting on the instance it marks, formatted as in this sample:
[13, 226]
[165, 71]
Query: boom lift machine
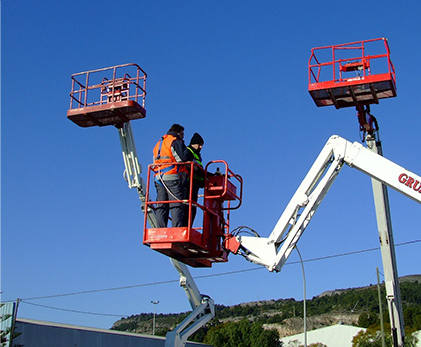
[114, 96]
[346, 75]
[359, 74]
[356, 74]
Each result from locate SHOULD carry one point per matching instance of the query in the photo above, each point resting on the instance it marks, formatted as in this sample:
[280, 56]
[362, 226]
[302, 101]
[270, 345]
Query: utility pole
[154, 313]
[380, 308]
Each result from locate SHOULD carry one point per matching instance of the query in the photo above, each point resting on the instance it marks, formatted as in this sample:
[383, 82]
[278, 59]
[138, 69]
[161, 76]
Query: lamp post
[154, 313]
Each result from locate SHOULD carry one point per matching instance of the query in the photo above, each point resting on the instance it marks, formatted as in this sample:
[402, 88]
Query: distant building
[332, 336]
[45, 334]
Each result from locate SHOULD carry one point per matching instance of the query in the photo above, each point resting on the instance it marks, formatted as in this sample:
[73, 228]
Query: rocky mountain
[352, 306]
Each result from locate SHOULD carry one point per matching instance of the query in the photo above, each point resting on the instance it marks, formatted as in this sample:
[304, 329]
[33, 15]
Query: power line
[335, 255]
[100, 290]
[211, 275]
[74, 311]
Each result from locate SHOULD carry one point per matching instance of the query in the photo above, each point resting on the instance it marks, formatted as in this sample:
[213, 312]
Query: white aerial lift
[273, 251]
[114, 100]
[359, 74]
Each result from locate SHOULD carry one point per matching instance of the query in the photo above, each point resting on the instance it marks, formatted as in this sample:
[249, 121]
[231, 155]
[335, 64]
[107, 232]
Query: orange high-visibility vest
[162, 154]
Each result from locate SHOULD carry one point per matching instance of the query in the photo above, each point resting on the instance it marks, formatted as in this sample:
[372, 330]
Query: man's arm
[180, 151]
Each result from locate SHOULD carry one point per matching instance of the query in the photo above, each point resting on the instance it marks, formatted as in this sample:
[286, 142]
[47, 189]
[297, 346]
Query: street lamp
[154, 313]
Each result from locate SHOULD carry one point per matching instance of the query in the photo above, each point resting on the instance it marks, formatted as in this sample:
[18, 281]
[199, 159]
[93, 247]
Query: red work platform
[184, 244]
[351, 74]
[109, 96]
[197, 246]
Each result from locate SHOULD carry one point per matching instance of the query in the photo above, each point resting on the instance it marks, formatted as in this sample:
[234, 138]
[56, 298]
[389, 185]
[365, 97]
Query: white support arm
[187, 283]
[132, 167]
[203, 309]
[272, 252]
[202, 314]
[385, 171]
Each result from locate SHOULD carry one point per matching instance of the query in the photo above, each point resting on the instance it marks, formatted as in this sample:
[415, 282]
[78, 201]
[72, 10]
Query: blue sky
[234, 71]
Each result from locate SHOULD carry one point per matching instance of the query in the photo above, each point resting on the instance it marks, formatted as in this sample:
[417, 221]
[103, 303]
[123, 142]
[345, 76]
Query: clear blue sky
[234, 71]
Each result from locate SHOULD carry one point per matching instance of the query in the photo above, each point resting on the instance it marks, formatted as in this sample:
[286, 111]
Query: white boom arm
[131, 162]
[273, 251]
[203, 309]
[203, 306]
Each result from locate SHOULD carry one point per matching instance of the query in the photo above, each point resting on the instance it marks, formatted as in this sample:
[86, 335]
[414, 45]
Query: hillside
[352, 306]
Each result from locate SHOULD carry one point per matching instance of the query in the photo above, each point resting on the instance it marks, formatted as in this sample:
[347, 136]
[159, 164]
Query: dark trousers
[194, 196]
[169, 190]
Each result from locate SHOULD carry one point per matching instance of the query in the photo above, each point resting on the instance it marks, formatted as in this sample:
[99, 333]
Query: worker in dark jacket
[195, 146]
[171, 178]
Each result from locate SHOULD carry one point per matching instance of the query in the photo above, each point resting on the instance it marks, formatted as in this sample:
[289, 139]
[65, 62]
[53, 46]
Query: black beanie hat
[197, 139]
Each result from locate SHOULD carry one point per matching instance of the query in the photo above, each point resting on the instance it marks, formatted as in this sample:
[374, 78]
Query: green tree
[372, 338]
[242, 334]
[417, 322]
[367, 319]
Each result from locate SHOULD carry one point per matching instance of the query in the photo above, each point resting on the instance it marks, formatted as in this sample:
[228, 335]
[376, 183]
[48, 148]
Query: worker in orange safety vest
[171, 178]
